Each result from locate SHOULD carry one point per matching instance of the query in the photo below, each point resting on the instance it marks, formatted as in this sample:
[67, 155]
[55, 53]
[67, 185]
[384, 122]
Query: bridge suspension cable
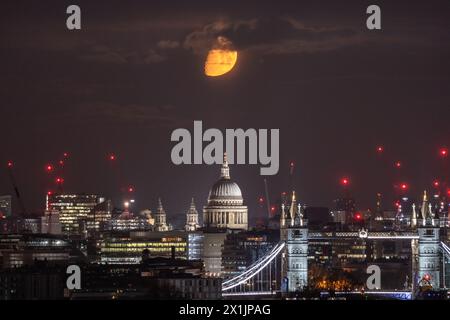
[254, 269]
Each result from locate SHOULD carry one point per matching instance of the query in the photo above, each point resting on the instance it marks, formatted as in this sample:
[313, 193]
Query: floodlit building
[160, 218]
[125, 249]
[192, 218]
[73, 210]
[225, 208]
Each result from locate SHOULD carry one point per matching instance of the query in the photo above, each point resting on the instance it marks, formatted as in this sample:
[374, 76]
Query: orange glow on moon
[219, 61]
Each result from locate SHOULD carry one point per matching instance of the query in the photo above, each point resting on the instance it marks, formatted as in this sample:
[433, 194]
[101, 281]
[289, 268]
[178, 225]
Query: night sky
[134, 73]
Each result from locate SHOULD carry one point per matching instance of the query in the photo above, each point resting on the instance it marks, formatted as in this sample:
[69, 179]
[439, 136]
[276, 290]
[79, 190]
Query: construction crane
[267, 198]
[10, 166]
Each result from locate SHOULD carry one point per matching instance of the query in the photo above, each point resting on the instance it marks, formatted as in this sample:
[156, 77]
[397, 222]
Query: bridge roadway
[363, 234]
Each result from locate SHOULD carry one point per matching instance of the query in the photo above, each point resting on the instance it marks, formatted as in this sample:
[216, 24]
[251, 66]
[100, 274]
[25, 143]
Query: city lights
[259, 154]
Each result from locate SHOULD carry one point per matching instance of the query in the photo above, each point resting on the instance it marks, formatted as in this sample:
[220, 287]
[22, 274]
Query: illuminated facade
[128, 224]
[20, 250]
[428, 247]
[192, 218]
[129, 249]
[294, 231]
[213, 243]
[73, 210]
[160, 218]
[99, 218]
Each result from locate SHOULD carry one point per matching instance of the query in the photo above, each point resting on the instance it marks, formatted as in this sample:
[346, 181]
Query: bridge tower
[428, 272]
[294, 231]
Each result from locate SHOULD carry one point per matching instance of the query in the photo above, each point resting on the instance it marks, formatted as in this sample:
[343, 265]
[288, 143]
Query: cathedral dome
[225, 208]
[225, 191]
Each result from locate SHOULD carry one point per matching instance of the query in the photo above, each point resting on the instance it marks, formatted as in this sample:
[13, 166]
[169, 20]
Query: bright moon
[219, 62]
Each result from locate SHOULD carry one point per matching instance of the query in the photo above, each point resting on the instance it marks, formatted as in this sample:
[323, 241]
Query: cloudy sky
[134, 73]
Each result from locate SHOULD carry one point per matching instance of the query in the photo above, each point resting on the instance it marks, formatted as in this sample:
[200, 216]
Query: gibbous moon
[220, 61]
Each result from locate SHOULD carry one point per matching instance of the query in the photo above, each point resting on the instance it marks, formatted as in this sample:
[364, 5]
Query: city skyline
[232, 157]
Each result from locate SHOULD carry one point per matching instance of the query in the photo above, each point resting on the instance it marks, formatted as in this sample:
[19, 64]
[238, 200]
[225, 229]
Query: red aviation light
[404, 186]
[66, 155]
[10, 164]
[380, 149]
[398, 164]
[130, 189]
[443, 152]
[358, 216]
[345, 181]
[112, 157]
[59, 180]
[49, 168]
[436, 183]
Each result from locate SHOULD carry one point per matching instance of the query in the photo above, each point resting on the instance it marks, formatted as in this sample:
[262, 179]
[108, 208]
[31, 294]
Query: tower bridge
[285, 268]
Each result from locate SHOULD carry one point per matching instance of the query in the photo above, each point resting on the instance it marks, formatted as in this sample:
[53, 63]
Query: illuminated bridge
[259, 279]
[262, 278]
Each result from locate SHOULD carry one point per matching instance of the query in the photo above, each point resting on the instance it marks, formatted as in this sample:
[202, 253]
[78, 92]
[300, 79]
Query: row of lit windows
[129, 250]
[144, 244]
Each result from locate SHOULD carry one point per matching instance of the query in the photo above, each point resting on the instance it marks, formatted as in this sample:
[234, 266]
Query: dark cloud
[168, 44]
[282, 35]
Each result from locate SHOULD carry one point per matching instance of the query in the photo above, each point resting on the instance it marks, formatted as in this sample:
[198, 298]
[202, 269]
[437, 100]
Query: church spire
[293, 207]
[192, 208]
[424, 209]
[414, 216]
[225, 171]
[160, 209]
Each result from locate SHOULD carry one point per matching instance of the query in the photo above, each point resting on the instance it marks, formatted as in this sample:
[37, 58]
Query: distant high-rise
[5, 206]
[73, 210]
[99, 218]
[50, 223]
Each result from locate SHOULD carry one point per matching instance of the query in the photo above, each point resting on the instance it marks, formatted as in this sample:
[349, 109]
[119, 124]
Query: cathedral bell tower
[160, 218]
[192, 218]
